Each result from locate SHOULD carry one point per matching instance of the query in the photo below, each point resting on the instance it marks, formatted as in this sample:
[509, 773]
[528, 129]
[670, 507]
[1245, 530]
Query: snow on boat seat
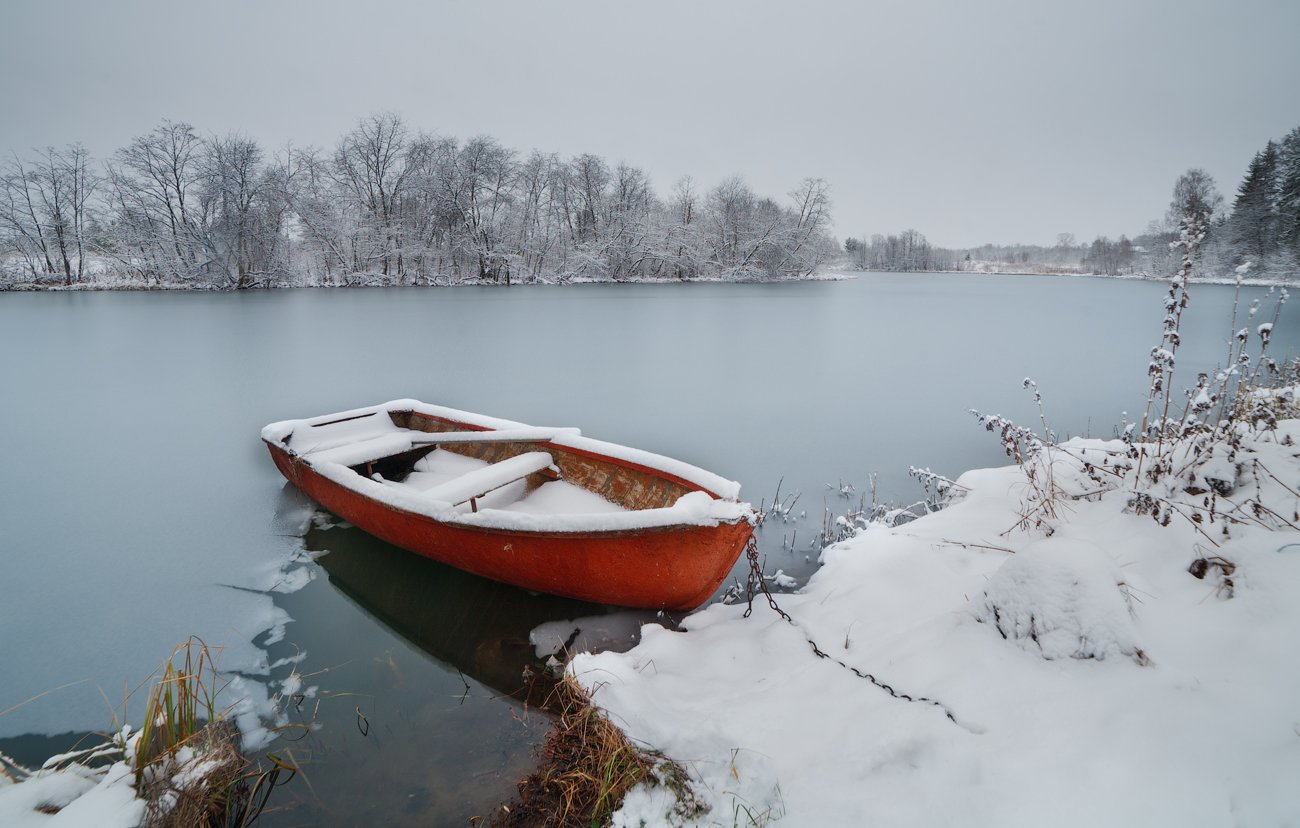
[365, 451]
[508, 435]
[480, 481]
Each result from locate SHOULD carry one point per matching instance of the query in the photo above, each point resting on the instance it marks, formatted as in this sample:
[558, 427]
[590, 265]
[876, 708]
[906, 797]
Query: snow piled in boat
[349, 426]
[691, 509]
[334, 442]
[980, 674]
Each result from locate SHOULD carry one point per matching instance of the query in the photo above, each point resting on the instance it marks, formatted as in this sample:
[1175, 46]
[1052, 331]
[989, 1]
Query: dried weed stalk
[1193, 460]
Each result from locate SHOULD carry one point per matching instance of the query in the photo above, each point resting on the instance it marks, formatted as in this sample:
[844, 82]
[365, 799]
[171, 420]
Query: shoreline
[1213, 280]
[829, 274]
[83, 287]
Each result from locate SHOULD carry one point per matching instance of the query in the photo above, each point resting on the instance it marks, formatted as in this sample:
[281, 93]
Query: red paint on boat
[670, 567]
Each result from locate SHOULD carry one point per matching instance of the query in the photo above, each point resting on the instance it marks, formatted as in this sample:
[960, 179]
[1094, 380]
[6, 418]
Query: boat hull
[669, 567]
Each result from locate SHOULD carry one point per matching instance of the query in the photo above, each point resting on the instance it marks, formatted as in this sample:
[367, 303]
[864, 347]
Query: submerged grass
[587, 765]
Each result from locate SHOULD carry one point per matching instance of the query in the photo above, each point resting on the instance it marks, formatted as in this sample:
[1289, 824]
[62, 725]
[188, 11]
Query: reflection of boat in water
[544, 509]
[480, 627]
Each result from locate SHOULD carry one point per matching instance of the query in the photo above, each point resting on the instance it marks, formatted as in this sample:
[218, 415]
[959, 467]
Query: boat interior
[517, 470]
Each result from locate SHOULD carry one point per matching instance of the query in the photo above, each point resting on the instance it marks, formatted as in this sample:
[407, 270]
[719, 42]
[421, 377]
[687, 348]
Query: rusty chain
[755, 583]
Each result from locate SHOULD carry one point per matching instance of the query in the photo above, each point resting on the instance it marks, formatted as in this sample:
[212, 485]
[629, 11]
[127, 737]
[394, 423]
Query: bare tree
[590, 177]
[240, 216]
[485, 170]
[683, 244]
[385, 206]
[154, 179]
[1195, 197]
[812, 205]
[370, 164]
[20, 219]
[537, 230]
[44, 210]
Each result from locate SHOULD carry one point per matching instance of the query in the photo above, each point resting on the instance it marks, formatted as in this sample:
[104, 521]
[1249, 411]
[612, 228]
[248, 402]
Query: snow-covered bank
[112, 282]
[1016, 677]
[1120, 277]
[73, 797]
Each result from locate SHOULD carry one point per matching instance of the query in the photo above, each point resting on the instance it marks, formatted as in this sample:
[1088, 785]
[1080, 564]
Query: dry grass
[180, 705]
[587, 766]
[187, 762]
[186, 758]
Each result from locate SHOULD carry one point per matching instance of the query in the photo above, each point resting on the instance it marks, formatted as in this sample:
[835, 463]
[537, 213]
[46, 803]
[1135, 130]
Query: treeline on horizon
[1262, 227]
[387, 205]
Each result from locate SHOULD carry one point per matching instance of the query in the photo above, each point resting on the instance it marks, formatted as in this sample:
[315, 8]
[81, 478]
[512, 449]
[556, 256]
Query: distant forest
[390, 205]
[386, 205]
[1262, 227]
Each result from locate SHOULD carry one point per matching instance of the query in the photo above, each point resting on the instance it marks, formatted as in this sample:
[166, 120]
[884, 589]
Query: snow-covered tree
[1254, 222]
[44, 211]
[1288, 192]
[390, 205]
[241, 217]
[154, 212]
[370, 165]
[1195, 196]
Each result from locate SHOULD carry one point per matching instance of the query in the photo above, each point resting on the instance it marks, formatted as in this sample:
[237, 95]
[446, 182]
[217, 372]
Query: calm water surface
[137, 505]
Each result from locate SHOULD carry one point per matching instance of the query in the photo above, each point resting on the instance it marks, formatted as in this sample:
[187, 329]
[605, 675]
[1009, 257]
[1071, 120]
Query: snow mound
[1062, 599]
[73, 797]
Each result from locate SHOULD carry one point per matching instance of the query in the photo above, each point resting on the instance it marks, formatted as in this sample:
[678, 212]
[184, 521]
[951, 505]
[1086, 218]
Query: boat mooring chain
[756, 583]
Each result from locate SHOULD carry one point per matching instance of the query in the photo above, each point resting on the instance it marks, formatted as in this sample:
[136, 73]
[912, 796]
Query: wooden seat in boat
[479, 482]
[363, 451]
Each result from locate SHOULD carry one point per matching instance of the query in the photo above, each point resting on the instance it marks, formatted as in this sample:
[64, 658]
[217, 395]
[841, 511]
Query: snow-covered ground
[74, 797]
[976, 673]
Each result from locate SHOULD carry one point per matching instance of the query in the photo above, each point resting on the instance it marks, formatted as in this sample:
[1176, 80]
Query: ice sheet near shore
[67, 794]
[1086, 678]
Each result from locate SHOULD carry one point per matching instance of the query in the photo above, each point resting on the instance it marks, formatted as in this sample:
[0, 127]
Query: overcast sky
[970, 121]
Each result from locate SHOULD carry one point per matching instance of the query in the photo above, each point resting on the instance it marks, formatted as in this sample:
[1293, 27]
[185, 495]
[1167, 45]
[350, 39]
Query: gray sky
[971, 121]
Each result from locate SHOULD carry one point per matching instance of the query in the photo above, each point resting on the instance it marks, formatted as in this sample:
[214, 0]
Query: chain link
[756, 584]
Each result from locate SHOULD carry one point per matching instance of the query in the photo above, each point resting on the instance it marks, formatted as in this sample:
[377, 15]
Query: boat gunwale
[301, 461]
[690, 476]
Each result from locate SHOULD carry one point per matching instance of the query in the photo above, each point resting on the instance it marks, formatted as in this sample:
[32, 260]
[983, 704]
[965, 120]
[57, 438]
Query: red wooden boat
[544, 509]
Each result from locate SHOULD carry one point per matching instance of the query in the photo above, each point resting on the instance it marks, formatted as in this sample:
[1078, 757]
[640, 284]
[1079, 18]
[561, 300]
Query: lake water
[137, 505]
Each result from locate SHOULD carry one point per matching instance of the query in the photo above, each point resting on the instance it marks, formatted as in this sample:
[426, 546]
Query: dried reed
[587, 766]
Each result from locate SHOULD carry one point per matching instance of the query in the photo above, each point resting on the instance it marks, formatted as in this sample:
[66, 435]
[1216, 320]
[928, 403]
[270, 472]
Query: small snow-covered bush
[1038, 456]
[1062, 599]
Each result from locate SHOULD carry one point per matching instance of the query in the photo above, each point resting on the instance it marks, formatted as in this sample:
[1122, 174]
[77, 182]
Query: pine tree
[1254, 223]
[1288, 197]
